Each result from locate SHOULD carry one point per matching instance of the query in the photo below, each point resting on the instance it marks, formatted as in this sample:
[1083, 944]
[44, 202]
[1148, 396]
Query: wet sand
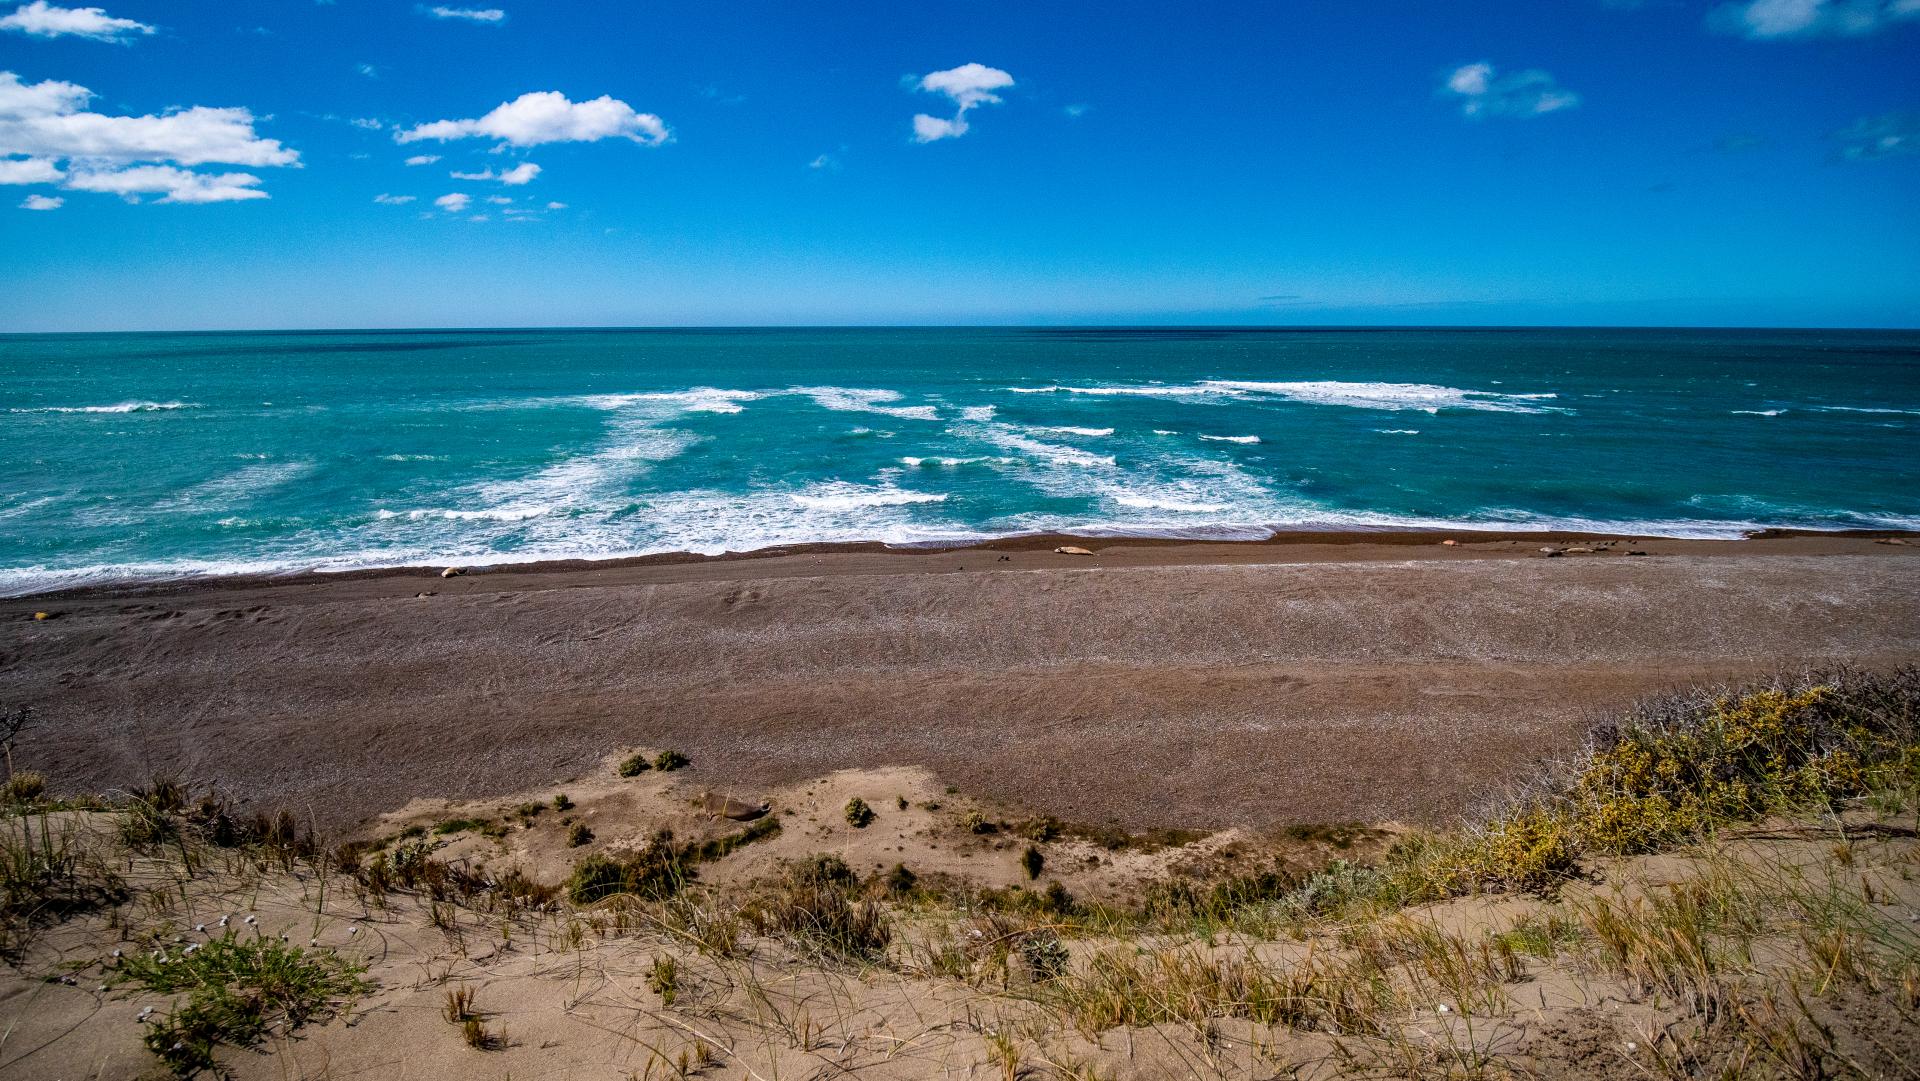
[1310, 679]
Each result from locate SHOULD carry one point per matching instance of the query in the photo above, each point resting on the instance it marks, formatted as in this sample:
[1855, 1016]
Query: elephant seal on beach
[728, 807]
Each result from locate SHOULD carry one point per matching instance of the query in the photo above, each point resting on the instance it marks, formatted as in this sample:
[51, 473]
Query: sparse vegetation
[634, 765]
[562, 802]
[1768, 938]
[668, 761]
[858, 814]
[578, 834]
[235, 989]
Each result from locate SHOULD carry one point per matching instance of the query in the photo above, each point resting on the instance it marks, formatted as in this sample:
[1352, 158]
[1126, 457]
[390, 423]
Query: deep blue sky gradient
[1236, 163]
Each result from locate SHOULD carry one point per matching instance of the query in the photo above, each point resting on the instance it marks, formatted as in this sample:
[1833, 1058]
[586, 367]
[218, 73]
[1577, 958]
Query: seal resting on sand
[1071, 550]
[452, 572]
[728, 807]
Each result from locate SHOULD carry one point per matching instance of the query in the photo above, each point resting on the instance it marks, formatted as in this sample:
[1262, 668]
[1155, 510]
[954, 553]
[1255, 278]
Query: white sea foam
[865, 400]
[1757, 412]
[1398, 431]
[841, 495]
[413, 457]
[1231, 438]
[1068, 429]
[1144, 502]
[122, 407]
[1865, 409]
[1426, 397]
[977, 413]
[1006, 438]
[693, 400]
[245, 483]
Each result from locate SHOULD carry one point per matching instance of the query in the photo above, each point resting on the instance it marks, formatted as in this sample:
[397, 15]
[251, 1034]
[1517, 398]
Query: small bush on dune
[858, 814]
[813, 908]
[668, 761]
[657, 871]
[634, 765]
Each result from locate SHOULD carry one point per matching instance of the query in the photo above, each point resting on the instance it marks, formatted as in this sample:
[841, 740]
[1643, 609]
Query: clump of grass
[664, 979]
[634, 765]
[527, 812]
[578, 834]
[657, 871]
[814, 908]
[720, 847]
[1124, 987]
[668, 761]
[976, 822]
[858, 814]
[461, 825]
[235, 989]
[459, 1006]
[563, 802]
[43, 879]
[23, 788]
[481, 1038]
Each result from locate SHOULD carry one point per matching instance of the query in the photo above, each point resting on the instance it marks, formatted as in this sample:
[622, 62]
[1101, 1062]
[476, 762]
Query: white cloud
[1774, 19]
[366, 123]
[171, 184]
[44, 120]
[42, 202]
[453, 202]
[500, 200]
[28, 171]
[423, 159]
[44, 20]
[926, 128]
[556, 206]
[825, 161]
[392, 200]
[967, 85]
[1883, 136]
[368, 70]
[1077, 110]
[1484, 92]
[472, 15]
[547, 116]
[520, 174]
[46, 123]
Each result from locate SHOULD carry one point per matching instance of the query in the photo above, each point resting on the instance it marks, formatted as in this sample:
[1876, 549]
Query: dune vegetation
[1722, 885]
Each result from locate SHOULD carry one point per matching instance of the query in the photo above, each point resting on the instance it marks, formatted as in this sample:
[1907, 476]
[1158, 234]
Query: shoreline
[1202, 549]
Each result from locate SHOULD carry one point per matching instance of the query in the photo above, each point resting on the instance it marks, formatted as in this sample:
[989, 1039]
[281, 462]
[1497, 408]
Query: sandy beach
[1312, 679]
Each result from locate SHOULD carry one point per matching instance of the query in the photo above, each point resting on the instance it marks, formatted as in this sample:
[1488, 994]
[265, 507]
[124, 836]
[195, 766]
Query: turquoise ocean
[164, 455]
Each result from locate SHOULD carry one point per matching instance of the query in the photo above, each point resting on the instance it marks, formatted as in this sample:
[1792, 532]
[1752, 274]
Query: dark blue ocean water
[163, 454]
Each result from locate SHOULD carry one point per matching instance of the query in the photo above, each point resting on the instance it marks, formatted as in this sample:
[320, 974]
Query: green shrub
[668, 761]
[634, 765]
[858, 814]
[1033, 861]
[579, 835]
[236, 989]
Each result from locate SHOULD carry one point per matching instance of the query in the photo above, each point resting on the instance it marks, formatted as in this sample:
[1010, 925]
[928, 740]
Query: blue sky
[213, 165]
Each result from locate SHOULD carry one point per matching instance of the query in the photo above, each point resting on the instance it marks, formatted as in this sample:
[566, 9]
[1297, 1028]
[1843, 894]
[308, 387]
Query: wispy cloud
[1484, 92]
[548, 117]
[368, 70]
[44, 20]
[968, 85]
[42, 202]
[423, 159]
[1765, 20]
[520, 174]
[393, 200]
[490, 16]
[1076, 110]
[1884, 136]
[453, 202]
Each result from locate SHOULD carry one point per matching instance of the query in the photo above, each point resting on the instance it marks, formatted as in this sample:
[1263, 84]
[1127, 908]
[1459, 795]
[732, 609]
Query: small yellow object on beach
[41, 616]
